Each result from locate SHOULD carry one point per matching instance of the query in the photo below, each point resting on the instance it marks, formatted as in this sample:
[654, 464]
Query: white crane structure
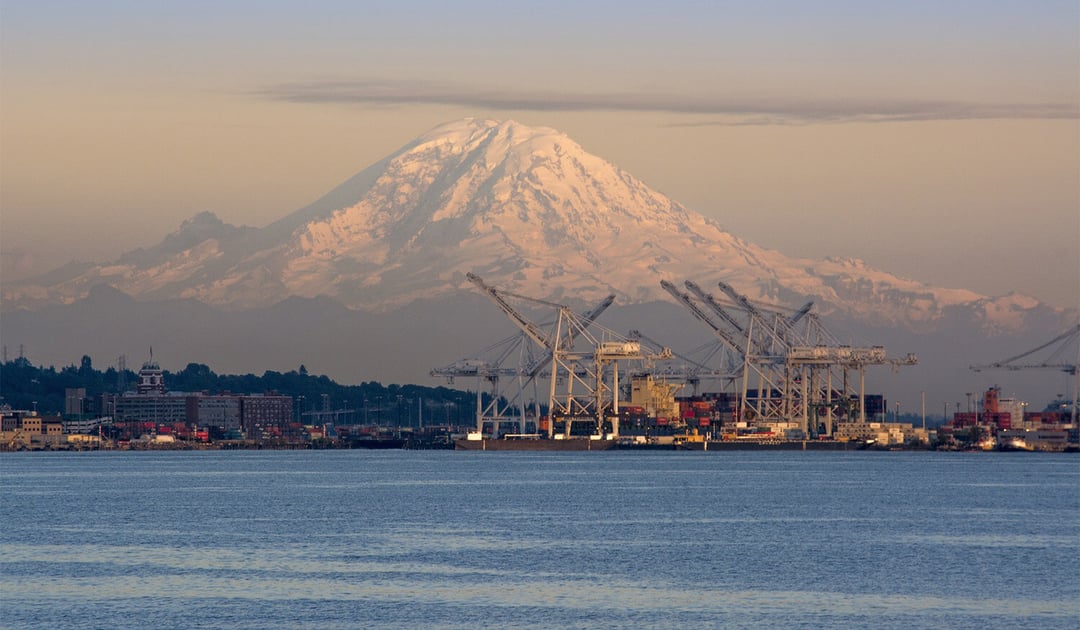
[1061, 353]
[792, 368]
[512, 360]
[582, 366]
[493, 364]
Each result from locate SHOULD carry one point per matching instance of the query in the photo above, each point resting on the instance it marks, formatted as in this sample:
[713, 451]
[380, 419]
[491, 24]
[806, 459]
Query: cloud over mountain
[727, 109]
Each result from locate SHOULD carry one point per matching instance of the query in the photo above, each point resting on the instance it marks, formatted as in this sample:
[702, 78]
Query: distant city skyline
[940, 142]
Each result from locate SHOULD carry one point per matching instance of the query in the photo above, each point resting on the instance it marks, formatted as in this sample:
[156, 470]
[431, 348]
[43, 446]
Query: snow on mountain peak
[502, 195]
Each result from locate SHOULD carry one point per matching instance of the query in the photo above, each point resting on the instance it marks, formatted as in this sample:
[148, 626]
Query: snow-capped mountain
[527, 209]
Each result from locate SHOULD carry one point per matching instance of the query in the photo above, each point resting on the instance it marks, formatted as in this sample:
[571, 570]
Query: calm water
[353, 539]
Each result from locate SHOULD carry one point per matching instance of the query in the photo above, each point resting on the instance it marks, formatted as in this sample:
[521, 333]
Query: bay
[437, 539]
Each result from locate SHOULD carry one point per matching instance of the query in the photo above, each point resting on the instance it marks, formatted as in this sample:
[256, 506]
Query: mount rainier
[525, 208]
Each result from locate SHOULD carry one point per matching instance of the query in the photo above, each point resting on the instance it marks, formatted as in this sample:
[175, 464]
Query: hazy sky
[936, 140]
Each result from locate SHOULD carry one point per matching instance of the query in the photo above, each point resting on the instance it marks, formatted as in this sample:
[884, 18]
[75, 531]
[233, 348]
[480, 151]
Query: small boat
[1015, 443]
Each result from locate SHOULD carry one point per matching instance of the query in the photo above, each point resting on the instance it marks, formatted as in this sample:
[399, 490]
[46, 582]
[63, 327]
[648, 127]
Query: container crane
[689, 370]
[581, 364]
[532, 361]
[493, 367]
[1064, 355]
[785, 356]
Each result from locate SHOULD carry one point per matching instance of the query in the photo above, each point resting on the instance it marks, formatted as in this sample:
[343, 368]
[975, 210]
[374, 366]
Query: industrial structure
[791, 368]
[1060, 353]
[581, 368]
[780, 372]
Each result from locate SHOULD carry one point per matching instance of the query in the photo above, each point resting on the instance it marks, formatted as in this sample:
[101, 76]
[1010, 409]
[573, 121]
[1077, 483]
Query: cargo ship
[532, 442]
[773, 445]
[375, 442]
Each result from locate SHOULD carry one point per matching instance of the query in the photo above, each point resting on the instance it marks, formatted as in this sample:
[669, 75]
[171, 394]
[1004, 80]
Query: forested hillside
[27, 386]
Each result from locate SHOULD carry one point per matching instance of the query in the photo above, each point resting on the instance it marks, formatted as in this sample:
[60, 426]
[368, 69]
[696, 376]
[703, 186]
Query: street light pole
[923, 410]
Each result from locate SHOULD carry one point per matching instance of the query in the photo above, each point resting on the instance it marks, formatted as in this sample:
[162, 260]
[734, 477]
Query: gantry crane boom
[799, 314]
[1066, 339]
[775, 335]
[689, 303]
[739, 298]
[716, 307]
[587, 319]
[1009, 364]
[524, 324]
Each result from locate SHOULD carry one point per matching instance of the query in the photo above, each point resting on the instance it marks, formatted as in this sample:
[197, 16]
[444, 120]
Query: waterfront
[343, 539]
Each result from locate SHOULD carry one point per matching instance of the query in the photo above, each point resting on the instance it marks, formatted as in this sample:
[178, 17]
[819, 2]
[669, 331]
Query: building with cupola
[152, 406]
[150, 403]
[151, 379]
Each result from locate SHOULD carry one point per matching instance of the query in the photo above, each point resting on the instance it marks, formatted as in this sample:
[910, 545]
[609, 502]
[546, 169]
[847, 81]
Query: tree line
[27, 386]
